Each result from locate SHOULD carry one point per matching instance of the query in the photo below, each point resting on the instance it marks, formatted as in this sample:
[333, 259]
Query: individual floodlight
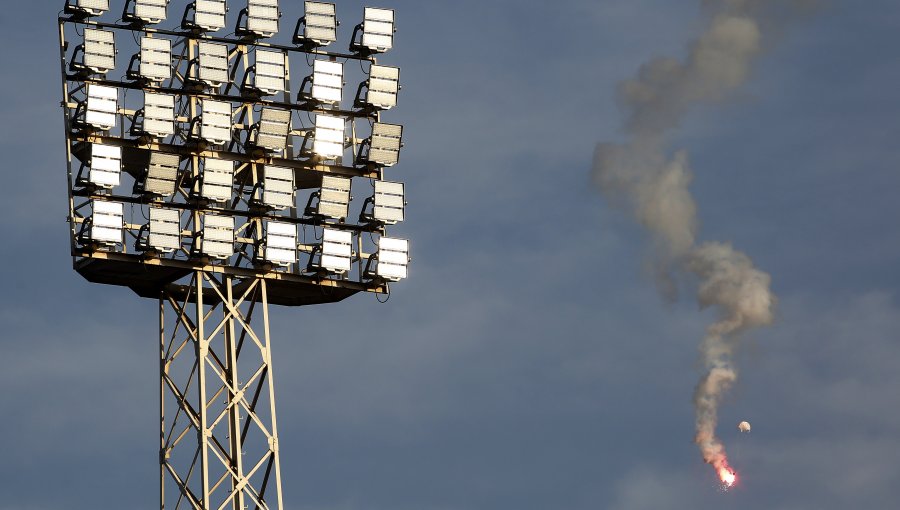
[382, 87]
[269, 72]
[102, 106]
[87, 7]
[329, 137]
[272, 129]
[336, 251]
[209, 15]
[261, 18]
[217, 236]
[319, 25]
[281, 243]
[107, 223]
[278, 187]
[212, 64]
[99, 51]
[217, 179]
[159, 114]
[393, 258]
[328, 81]
[334, 198]
[106, 166]
[215, 124]
[156, 59]
[377, 31]
[147, 11]
[384, 145]
[162, 174]
[165, 230]
[388, 204]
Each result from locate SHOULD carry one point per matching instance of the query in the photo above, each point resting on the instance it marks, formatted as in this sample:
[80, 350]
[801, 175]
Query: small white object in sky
[744, 426]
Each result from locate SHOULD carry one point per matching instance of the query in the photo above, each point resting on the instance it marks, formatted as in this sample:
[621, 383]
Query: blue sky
[528, 362]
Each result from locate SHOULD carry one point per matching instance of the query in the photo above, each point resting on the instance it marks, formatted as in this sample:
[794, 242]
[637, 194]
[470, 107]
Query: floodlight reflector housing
[159, 114]
[102, 106]
[272, 130]
[215, 125]
[384, 84]
[218, 236]
[389, 202]
[278, 187]
[334, 197]
[209, 15]
[156, 59]
[270, 74]
[320, 23]
[328, 81]
[165, 229]
[106, 165]
[378, 29]
[107, 222]
[262, 17]
[99, 50]
[281, 243]
[393, 258]
[329, 137]
[150, 11]
[336, 251]
[162, 174]
[90, 7]
[217, 179]
[212, 67]
[384, 146]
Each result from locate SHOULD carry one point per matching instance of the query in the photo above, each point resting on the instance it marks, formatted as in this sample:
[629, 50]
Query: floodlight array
[165, 229]
[156, 59]
[223, 107]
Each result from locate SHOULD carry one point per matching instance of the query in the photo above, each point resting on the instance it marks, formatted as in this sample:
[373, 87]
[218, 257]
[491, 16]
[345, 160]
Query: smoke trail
[639, 174]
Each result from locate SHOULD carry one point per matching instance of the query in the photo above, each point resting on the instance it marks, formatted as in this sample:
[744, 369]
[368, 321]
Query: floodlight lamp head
[319, 25]
[86, 8]
[327, 83]
[106, 226]
[387, 206]
[146, 12]
[377, 32]
[269, 73]
[333, 199]
[271, 132]
[383, 147]
[106, 166]
[278, 187]
[161, 175]
[98, 52]
[163, 231]
[159, 115]
[280, 245]
[328, 141]
[382, 88]
[156, 60]
[217, 236]
[335, 252]
[216, 180]
[260, 19]
[207, 15]
[101, 107]
[215, 122]
[393, 259]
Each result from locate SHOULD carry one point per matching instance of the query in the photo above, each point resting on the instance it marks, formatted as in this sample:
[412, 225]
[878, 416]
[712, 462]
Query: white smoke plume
[644, 175]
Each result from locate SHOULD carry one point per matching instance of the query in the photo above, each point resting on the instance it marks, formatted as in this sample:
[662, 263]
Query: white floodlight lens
[217, 180]
[334, 197]
[393, 258]
[321, 23]
[274, 125]
[165, 229]
[159, 114]
[389, 204]
[218, 236]
[215, 126]
[329, 138]
[162, 173]
[107, 222]
[336, 251]
[269, 77]
[281, 243]
[99, 50]
[378, 29]
[209, 14]
[93, 7]
[106, 165]
[328, 81]
[213, 65]
[262, 17]
[384, 84]
[156, 59]
[150, 11]
[102, 106]
[278, 187]
[384, 148]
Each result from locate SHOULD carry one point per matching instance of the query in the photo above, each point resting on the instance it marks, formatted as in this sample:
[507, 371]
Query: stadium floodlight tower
[189, 168]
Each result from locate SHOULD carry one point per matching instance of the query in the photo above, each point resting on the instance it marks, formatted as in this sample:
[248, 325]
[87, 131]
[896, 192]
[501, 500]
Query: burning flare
[727, 476]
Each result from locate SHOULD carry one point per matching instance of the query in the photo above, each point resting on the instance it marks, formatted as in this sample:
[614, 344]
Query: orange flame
[727, 476]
